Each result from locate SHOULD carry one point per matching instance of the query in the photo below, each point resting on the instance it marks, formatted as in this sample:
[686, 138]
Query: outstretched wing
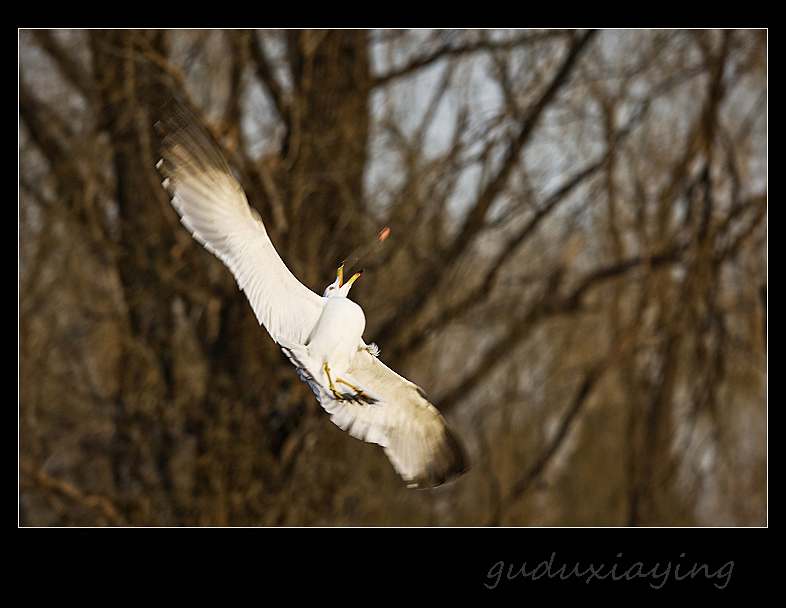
[214, 208]
[393, 412]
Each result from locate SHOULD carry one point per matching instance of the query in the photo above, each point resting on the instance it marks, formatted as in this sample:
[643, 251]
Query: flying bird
[321, 335]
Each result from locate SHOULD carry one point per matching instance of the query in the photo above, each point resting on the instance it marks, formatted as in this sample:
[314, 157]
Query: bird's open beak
[340, 275]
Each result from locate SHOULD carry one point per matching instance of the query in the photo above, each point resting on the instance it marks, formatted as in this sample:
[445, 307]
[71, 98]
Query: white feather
[214, 209]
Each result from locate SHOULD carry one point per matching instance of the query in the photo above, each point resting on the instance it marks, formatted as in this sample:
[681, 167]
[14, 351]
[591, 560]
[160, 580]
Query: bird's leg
[359, 391]
[336, 394]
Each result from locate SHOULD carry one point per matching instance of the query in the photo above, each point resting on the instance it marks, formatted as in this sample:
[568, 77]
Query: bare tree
[576, 271]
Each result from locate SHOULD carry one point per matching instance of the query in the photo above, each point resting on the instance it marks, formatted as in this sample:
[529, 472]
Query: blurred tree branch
[474, 220]
[446, 49]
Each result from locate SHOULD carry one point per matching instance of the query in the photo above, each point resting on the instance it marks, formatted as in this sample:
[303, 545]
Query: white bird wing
[390, 411]
[214, 208]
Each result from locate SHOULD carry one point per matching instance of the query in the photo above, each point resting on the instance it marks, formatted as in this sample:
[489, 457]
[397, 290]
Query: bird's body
[337, 336]
[333, 348]
[321, 335]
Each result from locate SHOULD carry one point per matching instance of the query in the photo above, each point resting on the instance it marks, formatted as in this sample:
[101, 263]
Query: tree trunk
[324, 157]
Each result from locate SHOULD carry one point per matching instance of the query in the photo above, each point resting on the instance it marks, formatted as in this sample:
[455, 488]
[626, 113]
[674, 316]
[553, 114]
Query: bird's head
[339, 288]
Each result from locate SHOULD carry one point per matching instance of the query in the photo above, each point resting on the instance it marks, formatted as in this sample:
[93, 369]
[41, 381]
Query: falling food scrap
[384, 234]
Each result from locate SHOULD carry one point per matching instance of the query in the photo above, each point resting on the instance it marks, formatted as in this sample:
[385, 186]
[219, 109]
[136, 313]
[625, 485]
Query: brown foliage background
[576, 272]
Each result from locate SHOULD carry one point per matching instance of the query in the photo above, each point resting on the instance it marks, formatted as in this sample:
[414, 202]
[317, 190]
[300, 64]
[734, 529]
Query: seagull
[321, 335]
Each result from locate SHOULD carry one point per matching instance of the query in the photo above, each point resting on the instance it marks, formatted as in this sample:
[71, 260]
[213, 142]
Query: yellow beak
[340, 275]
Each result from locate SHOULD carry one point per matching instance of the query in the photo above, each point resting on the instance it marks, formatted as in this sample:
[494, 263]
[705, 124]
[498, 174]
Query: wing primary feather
[421, 445]
[214, 208]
